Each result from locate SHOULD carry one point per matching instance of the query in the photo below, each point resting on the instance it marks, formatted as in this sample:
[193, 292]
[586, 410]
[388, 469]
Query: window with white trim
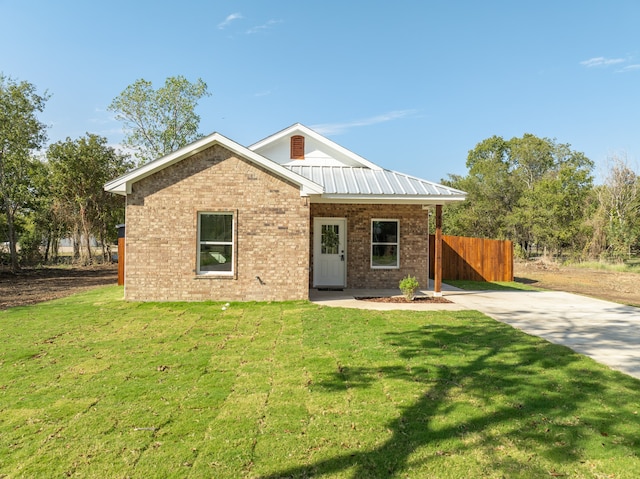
[215, 243]
[385, 244]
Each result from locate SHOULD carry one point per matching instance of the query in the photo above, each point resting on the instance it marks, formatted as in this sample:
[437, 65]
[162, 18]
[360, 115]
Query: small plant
[408, 286]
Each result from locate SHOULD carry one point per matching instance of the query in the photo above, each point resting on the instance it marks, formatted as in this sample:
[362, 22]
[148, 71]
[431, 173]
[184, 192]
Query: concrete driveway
[607, 332]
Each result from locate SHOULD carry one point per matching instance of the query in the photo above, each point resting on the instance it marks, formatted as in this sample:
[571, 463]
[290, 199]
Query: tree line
[534, 191]
[541, 195]
[53, 193]
[45, 197]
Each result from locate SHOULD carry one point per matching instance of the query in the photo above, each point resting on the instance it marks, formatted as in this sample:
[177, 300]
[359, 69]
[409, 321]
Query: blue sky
[410, 85]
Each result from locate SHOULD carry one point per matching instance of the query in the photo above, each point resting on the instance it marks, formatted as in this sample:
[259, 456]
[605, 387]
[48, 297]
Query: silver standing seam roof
[346, 180]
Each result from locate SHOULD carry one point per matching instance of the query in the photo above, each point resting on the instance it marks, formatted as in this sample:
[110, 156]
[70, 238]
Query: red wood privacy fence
[473, 259]
[120, 261]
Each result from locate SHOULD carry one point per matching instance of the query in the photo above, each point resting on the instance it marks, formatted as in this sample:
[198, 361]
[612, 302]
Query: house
[219, 220]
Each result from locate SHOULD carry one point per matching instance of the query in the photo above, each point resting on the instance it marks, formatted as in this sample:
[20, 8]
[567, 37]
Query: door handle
[342, 256]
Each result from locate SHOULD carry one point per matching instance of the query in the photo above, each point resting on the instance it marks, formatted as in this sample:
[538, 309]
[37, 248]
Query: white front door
[329, 259]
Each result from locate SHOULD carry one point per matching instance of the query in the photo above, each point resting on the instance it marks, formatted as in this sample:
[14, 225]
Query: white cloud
[338, 128]
[601, 62]
[229, 19]
[629, 68]
[265, 26]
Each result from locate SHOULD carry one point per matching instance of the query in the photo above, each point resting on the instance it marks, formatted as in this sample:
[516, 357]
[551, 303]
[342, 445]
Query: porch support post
[437, 267]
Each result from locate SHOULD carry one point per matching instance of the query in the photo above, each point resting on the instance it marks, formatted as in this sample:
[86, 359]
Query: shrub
[29, 249]
[408, 286]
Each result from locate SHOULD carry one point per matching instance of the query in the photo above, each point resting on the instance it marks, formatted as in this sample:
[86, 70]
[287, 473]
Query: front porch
[353, 262]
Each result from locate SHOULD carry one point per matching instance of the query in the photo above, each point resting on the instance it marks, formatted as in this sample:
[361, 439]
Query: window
[384, 243]
[215, 243]
[330, 239]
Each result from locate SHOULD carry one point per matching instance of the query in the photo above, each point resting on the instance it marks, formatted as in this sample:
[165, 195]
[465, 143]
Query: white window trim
[232, 243]
[396, 244]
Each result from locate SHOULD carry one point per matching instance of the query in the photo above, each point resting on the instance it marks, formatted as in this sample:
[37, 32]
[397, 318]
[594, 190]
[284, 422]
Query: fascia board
[123, 184]
[387, 199]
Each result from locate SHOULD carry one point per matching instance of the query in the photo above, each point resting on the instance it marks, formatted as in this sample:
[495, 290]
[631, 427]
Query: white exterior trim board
[385, 199]
[123, 184]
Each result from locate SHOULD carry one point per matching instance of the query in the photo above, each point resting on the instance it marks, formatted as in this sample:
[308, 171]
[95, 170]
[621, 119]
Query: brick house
[218, 220]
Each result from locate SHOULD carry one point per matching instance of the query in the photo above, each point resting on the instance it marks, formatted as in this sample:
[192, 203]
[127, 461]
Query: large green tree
[21, 133]
[619, 208]
[530, 190]
[160, 121]
[553, 211]
[79, 169]
[490, 189]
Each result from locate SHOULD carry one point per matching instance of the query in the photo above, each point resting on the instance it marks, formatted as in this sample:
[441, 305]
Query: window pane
[384, 255]
[385, 232]
[330, 239]
[215, 257]
[216, 227]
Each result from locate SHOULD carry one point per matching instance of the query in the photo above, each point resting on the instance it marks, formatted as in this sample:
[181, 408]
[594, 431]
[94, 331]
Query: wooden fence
[120, 261]
[473, 259]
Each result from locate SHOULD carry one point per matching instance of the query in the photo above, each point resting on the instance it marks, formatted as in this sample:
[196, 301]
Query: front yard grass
[93, 387]
[490, 285]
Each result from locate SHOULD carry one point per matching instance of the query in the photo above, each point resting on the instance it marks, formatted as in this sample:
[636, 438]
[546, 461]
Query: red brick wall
[272, 232]
[414, 242]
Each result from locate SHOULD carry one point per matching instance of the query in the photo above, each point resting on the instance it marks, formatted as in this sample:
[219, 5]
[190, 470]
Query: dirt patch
[609, 285]
[35, 285]
[400, 299]
[32, 286]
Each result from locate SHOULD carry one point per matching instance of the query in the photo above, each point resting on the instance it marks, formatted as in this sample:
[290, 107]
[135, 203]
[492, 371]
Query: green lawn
[95, 387]
[490, 285]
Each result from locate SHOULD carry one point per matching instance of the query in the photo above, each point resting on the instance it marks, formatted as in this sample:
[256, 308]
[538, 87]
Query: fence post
[121, 254]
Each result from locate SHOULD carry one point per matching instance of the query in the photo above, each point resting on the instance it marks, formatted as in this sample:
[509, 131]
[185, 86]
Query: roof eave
[388, 199]
[117, 187]
[122, 185]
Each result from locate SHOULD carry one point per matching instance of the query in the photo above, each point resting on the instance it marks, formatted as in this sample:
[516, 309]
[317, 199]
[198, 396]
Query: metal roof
[345, 180]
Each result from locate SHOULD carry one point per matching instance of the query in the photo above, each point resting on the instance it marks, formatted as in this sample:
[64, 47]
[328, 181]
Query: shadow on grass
[541, 392]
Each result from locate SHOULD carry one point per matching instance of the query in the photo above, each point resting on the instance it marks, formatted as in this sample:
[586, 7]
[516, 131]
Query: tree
[79, 169]
[552, 212]
[532, 157]
[159, 121]
[619, 199]
[530, 190]
[490, 189]
[37, 221]
[21, 133]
